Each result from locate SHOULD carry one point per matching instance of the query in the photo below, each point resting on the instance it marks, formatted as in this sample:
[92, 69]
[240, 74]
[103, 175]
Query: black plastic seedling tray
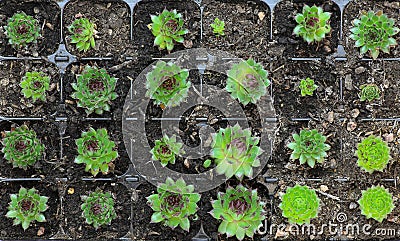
[61, 119]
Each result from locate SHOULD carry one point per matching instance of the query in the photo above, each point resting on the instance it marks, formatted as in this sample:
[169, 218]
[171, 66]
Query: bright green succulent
[369, 92]
[21, 147]
[173, 203]
[167, 84]
[26, 207]
[373, 32]
[83, 32]
[373, 154]
[22, 29]
[309, 147]
[167, 28]
[299, 204]
[94, 90]
[236, 152]
[307, 87]
[376, 202]
[96, 151]
[312, 24]
[247, 81]
[34, 85]
[166, 149]
[240, 210]
[218, 27]
[98, 208]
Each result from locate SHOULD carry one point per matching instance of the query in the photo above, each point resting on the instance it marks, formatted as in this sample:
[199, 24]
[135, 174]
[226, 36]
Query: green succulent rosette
[376, 202]
[98, 208]
[373, 154]
[22, 29]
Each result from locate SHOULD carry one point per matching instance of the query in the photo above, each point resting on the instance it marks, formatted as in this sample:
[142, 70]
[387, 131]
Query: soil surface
[46, 12]
[47, 133]
[12, 101]
[50, 227]
[284, 24]
[353, 11]
[112, 19]
[247, 27]
[75, 222]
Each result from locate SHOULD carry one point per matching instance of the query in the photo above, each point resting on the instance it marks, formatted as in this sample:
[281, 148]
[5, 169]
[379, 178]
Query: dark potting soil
[12, 101]
[75, 222]
[143, 41]
[112, 19]
[74, 131]
[46, 12]
[247, 27]
[353, 11]
[385, 76]
[47, 133]
[286, 77]
[284, 24]
[123, 75]
[50, 227]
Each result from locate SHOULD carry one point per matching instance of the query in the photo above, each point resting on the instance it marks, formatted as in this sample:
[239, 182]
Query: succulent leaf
[34, 85]
[167, 28]
[96, 151]
[174, 203]
[167, 84]
[373, 32]
[94, 90]
[307, 87]
[218, 27]
[98, 208]
[299, 204]
[21, 147]
[369, 92]
[236, 152]
[373, 154]
[376, 202]
[22, 29]
[312, 24]
[26, 207]
[239, 209]
[247, 81]
[309, 147]
[83, 32]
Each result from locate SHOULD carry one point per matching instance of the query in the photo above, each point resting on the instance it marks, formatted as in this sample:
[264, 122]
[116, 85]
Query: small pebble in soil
[351, 126]
[324, 188]
[71, 190]
[355, 113]
[40, 232]
[360, 70]
[353, 205]
[348, 82]
[388, 137]
[330, 117]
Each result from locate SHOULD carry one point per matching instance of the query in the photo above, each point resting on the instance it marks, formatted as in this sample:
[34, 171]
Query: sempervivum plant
[376, 202]
[312, 24]
[167, 84]
[34, 85]
[21, 147]
[22, 29]
[218, 27]
[96, 151]
[309, 147]
[369, 92]
[166, 149]
[240, 210]
[307, 87]
[236, 152]
[299, 204]
[174, 203]
[98, 208]
[94, 90]
[83, 32]
[373, 154]
[167, 28]
[247, 81]
[373, 32]
[26, 207]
